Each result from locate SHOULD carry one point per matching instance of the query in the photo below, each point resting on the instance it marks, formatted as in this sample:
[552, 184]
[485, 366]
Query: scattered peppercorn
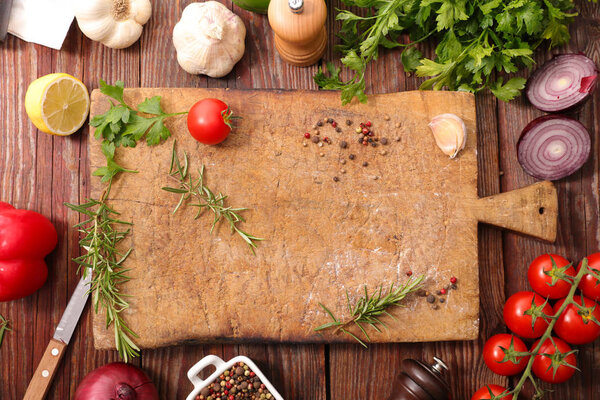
[408, 273]
[368, 123]
[343, 171]
[358, 130]
[342, 161]
[365, 164]
[352, 156]
[431, 299]
[375, 177]
[439, 292]
[386, 117]
[327, 140]
[453, 280]
[435, 307]
[443, 291]
[320, 123]
[330, 120]
[442, 300]
[334, 124]
[322, 154]
[421, 293]
[398, 139]
[365, 131]
[384, 141]
[398, 124]
[304, 144]
[454, 286]
[320, 144]
[336, 179]
[383, 152]
[374, 144]
[338, 129]
[315, 139]
[343, 144]
[307, 135]
[348, 122]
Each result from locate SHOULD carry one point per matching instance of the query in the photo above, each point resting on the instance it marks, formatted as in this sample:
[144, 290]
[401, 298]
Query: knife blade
[42, 378]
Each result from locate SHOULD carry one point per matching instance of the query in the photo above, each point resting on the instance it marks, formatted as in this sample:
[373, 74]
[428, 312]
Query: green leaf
[430, 68]
[449, 48]
[487, 7]
[151, 106]
[157, 133]
[138, 126]
[450, 12]
[510, 90]
[410, 58]
[353, 61]
[478, 53]
[116, 91]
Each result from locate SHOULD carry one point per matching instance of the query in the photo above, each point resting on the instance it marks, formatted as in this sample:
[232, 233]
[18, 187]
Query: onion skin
[581, 89]
[531, 156]
[116, 381]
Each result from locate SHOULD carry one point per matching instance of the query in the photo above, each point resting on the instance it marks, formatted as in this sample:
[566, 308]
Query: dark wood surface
[40, 172]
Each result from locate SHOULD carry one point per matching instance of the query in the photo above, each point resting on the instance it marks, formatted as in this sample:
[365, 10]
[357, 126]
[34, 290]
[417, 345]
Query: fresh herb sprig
[368, 309]
[206, 199]
[102, 233]
[124, 126]
[476, 40]
[4, 327]
[558, 359]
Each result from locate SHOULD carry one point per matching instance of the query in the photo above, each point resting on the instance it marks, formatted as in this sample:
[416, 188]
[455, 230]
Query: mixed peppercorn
[366, 137]
[239, 382]
[439, 294]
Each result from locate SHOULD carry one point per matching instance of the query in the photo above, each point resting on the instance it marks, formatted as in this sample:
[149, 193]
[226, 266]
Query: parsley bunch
[124, 126]
[476, 39]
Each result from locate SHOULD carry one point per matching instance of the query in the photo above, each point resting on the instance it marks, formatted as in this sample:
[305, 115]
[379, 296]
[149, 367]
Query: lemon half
[57, 104]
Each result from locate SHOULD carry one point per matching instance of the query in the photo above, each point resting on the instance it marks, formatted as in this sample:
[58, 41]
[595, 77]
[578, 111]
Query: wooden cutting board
[411, 208]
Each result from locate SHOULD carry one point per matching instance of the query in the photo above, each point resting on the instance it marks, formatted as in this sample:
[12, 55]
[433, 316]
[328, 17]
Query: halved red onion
[553, 146]
[563, 83]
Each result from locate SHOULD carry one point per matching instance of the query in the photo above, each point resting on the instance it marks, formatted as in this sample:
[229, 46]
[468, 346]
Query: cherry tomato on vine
[518, 317]
[484, 392]
[501, 345]
[590, 286]
[577, 326]
[549, 368]
[551, 285]
[209, 121]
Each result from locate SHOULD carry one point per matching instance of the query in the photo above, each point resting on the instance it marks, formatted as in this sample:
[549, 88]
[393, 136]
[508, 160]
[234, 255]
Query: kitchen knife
[42, 378]
[5, 7]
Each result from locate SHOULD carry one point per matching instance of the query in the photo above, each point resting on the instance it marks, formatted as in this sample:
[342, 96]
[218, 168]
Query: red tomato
[576, 326]
[493, 354]
[484, 392]
[209, 121]
[542, 283]
[520, 323]
[544, 367]
[590, 286]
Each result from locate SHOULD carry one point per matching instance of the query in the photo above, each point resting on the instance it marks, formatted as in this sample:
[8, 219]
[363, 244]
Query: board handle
[532, 210]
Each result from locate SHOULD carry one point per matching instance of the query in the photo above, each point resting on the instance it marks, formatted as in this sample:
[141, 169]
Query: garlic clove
[450, 133]
[123, 34]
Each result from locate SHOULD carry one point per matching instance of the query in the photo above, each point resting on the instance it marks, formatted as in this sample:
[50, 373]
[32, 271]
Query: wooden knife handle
[42, 378]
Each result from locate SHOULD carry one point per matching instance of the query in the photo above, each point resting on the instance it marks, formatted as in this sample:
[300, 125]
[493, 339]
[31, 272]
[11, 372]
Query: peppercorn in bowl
[238, 378]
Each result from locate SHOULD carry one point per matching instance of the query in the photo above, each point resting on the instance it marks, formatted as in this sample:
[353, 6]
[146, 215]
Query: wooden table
[40, 172]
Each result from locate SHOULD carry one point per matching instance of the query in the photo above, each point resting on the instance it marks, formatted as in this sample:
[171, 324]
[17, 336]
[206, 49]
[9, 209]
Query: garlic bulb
[209, 39]
[450, 133]
[114, 23]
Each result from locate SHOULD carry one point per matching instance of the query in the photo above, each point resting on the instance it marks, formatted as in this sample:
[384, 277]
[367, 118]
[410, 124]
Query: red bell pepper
[26, 237]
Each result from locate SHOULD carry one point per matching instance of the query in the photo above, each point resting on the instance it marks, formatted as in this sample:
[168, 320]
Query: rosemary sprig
[3, 328]
[369, 308]
[207, 200]
[101, 235]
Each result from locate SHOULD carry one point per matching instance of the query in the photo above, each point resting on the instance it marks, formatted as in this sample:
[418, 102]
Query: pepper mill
[299, 30]
[419, 381]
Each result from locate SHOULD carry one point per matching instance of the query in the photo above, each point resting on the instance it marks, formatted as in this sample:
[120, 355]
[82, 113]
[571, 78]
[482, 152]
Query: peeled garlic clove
[450, 133]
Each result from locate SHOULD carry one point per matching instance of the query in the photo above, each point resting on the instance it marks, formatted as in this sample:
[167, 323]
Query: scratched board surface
[403, 211]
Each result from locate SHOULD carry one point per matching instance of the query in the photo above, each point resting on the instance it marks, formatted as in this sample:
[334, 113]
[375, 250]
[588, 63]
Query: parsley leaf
[124, 126]
[477, 41]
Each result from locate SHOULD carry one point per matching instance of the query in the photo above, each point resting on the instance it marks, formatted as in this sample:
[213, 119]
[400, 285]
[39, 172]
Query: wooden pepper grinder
[299, 30]
[420, 381]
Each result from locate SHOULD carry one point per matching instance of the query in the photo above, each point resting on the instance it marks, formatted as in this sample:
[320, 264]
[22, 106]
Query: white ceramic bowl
[221, 366]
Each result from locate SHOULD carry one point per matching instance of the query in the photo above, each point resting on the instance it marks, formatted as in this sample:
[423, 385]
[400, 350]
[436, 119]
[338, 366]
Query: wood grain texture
[29, 178]
[384, 227]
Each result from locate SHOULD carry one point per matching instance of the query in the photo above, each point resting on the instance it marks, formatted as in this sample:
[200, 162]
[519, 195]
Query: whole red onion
[116, 381]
